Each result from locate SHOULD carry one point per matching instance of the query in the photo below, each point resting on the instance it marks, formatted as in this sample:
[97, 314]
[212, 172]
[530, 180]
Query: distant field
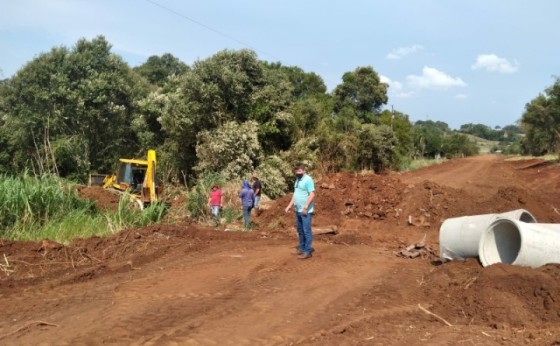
[484, 145]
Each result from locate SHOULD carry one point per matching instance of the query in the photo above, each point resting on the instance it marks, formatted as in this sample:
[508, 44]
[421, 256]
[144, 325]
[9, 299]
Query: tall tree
[363, 90]
[86, 93]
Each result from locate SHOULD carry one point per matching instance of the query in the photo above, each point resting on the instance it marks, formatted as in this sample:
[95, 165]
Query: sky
[456, 61]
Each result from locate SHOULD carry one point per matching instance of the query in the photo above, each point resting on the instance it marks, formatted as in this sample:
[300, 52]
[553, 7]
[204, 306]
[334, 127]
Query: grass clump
[37, 208]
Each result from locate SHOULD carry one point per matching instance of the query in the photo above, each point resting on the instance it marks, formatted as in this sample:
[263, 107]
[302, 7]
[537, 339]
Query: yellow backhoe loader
[136, 177]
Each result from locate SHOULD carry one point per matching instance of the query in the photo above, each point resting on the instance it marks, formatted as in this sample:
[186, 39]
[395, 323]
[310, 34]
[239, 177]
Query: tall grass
[48, 207]
[28, 200]
[128, 215]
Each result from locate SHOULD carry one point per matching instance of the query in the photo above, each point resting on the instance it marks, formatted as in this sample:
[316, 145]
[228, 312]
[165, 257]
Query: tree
[86, 92]
[428, 137]
[541, 121]
[308, 113]
[479, 130]
[158, 69]
[403, 131]
[458, 145]
[304, 84]
[377, 149]
[363, 90]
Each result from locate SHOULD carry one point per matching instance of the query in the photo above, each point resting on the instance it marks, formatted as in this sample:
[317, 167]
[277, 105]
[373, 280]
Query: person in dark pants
[247, 201]
[302, 200]
[257, 189]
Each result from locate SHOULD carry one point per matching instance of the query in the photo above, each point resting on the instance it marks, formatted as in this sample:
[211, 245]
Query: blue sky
[460, 61]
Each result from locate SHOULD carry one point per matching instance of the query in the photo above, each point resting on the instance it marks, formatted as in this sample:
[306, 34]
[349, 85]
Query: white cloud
[432, 78]
[403, 51]
[392, 84]
[461, 96]
[405, 94]
[493, 63]
[396, 87]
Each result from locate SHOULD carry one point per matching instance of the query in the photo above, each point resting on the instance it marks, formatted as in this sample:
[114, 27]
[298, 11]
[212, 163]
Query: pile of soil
[104, 199]
[497, 296]
[342, 196]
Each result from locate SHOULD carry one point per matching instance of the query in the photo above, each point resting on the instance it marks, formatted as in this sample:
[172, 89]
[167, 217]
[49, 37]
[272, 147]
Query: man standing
[257, 187]
[247, 202]
[302, 200]
[215, 203]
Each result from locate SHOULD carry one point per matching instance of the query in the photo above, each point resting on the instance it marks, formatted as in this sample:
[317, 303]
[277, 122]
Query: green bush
[274, 174]
[232, 149]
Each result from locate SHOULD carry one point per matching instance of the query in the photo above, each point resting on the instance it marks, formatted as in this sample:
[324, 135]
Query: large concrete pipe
[526, 244]
[459, 237]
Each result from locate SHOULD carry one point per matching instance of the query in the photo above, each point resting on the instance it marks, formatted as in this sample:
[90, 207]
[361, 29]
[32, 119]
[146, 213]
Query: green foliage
[230, 214]
[158, 68]
[274, 173]
[27, 200]
[403, 131]
[376, 148]
[363, 90]
[337, 148]
[541, 121]
[479, 130]
[86, 92]
[308, 113]
[508, 134]
[428, 138]
[458, 145]
[232, 149]
[304, 84]
[71, 162]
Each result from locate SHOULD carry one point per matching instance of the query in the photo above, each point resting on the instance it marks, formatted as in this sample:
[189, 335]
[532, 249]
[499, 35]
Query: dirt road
[183, 284]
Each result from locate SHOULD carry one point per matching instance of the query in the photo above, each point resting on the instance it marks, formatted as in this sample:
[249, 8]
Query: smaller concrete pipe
[459, 237]
[525, 244]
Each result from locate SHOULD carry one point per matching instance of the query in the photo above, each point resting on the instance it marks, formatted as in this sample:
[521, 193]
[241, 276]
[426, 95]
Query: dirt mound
[466, 293]
[83, 259]
[343, 196]
[104, 199]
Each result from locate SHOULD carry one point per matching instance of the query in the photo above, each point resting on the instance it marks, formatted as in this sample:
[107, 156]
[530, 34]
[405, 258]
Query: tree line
[75, 111]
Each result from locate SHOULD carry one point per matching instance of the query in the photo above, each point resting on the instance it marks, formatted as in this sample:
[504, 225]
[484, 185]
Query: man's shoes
[304, 256]
[297, 251]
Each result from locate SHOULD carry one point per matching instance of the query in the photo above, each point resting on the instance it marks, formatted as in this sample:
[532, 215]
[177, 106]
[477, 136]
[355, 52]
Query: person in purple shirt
[247, 201]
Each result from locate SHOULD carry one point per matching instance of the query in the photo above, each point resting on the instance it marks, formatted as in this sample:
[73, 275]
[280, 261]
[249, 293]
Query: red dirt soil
[187, 284]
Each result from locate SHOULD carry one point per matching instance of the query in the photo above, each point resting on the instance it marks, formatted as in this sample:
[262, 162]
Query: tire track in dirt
[188, 305]
[395, 295]
[324, 282]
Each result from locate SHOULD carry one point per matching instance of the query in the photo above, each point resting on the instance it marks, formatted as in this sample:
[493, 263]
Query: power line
[210, 28]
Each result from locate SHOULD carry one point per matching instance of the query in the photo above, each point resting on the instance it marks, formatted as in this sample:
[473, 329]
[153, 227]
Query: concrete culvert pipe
[525, 244]
[459, 237]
